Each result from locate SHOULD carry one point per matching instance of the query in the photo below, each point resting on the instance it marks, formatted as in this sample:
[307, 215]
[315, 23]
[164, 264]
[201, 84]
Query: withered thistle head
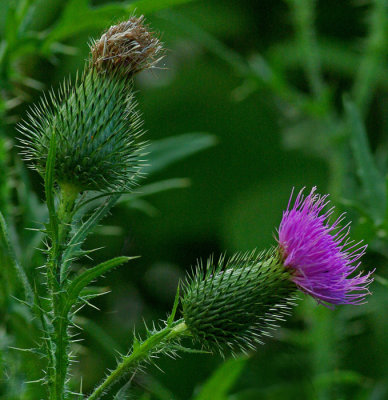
[127, 48]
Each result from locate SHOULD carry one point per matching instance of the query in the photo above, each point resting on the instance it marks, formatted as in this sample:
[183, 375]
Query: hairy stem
[140, 352]
[60, 324]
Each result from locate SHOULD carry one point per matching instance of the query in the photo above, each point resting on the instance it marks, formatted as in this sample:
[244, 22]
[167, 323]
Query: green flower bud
[97, 129]
[95, 119]
[236, 303]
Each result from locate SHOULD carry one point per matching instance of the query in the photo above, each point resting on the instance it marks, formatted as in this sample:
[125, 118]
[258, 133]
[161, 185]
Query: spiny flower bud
[97, 129]
[95, 119]
[235, 304]
[128, 47]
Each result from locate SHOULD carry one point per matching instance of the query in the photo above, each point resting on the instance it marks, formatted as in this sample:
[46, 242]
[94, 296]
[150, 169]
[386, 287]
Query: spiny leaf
[82, 280]
[371, 179]
[78, 238]
[222, 380]
[18, 268]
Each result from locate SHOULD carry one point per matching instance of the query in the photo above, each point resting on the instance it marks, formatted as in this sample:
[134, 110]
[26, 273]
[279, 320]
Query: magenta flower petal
[323, 258]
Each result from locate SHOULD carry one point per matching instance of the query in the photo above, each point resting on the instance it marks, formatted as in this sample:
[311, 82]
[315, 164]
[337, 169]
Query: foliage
[315, 76]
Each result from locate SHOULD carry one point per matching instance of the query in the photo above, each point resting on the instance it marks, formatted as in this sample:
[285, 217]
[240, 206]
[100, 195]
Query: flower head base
[321, 255]
[235, 304]
[128, 48]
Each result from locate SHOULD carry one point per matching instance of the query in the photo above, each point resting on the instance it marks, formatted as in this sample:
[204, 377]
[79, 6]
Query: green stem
[60, 324]
[140, 352]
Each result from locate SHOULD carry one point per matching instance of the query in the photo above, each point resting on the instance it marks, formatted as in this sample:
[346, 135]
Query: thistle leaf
[74, 245]
[82, 280]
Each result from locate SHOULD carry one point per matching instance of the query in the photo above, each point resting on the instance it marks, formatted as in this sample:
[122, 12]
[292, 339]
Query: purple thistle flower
[321, 255]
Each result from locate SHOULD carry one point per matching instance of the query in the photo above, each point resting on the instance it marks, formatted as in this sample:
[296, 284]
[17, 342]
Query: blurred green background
[294, 93]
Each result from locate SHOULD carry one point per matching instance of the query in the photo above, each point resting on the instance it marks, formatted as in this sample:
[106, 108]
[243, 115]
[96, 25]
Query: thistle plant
[85, 143]
[84, 140]
[233, 305]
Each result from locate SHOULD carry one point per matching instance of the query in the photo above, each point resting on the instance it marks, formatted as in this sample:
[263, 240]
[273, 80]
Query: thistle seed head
[127, 48]
[236, 303]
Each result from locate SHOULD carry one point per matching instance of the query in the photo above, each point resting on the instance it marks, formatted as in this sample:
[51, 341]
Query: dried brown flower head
[128, 48]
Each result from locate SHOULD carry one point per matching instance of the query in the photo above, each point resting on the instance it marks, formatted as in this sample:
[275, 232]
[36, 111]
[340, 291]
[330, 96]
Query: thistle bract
[235, 304]
[320, 254]
[97, 128]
